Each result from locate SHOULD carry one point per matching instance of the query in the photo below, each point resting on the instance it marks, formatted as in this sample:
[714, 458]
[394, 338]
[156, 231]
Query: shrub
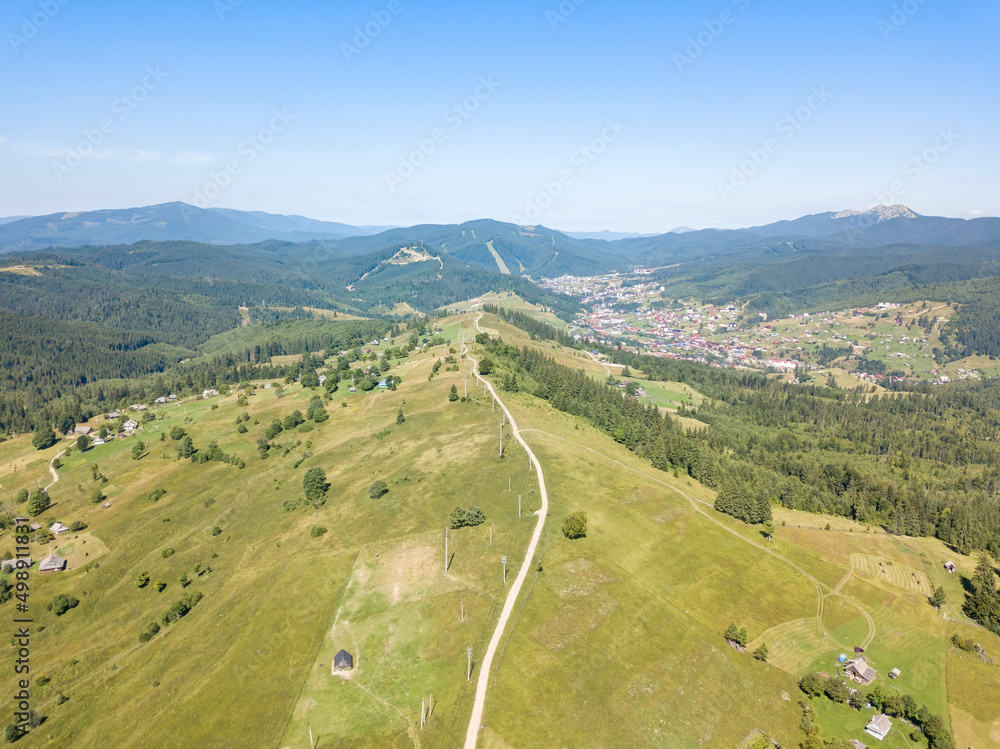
[176, 432]
[62, 603]
[242, 429]
[77, 525]
[216, 531]
[474, 516]
[168, 552]
[575, 525]
[181, 608]
[142, 580]
[39, 502]
[97, 496]
[317, 530]
[377, 489]
[149, 632]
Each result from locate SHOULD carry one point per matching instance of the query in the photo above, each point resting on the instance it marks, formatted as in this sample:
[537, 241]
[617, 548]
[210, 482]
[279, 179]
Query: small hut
[343, 661]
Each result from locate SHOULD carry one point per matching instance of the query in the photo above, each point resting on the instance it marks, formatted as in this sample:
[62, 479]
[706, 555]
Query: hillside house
[130, 426]
[172, 397]
[879, 726]
[895, 673]
[343, 661]
[15, 563]
[58, 528]
[138, 406]
[82, 429]
[860, 671]
[950, 566]
[98, 441]
[210, 393]
[161, 401]
[52, 563]
[112, 415]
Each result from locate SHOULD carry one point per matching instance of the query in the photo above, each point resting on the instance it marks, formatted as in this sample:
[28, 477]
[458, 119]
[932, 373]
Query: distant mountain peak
[681, 230]
[881, 212]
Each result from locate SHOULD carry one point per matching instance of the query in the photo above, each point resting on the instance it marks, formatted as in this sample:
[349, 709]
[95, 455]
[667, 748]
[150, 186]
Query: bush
[167, 553]
[316, 531]
[575, 525]
[149, 632]
[181, 608]
[377, 489]
[474, 516]
[176, 432]
[21, 496]
[142, 580]
[242, 429]
[62, 603]
[97, 496]
[77, 525]
[216, 531]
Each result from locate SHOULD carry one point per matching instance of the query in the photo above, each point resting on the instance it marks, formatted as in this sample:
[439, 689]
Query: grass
[237, 664]
[616, 641]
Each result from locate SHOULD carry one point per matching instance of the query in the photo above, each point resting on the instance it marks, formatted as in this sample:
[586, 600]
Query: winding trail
[52, 470]
[820, 595]
[482, 683]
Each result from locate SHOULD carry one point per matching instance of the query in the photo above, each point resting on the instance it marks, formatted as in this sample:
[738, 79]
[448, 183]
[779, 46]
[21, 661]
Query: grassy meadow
[616, 639]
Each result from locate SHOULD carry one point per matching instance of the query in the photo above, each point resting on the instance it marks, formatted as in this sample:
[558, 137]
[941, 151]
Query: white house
[210, 393]
[879, 726]
[130, 425]
[58, 528]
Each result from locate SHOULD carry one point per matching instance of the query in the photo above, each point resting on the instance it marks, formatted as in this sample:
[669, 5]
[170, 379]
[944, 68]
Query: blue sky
[726, 113]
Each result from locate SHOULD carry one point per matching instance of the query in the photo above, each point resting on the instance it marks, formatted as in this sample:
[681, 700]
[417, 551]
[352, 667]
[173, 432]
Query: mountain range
[532, 251]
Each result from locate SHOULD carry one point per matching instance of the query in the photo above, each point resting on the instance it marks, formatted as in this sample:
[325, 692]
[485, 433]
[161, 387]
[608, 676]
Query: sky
[581, 115]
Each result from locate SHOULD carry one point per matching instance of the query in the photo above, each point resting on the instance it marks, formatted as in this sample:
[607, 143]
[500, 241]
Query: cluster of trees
[982, 603]
[466, 518]
[748, 501]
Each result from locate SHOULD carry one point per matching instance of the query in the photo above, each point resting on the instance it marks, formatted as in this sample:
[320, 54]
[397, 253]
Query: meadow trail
[695, 504]
[52, 470]
[482, 683]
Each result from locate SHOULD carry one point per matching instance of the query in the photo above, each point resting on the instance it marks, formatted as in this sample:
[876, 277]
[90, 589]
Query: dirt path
[820, 595]
[482, 683]
[52, 470]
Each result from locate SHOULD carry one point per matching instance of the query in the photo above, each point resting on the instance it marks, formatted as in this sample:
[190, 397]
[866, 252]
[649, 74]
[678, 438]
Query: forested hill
[919, 463]
[72, 319]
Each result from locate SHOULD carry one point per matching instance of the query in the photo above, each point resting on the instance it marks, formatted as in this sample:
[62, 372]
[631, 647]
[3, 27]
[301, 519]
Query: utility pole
[501, 440]
[468, 673]
[446, 548]
[508, 483]
[503, 561]
[491, 534]
[462, 604]
[422, 713]
[311, 743]
[518, 505]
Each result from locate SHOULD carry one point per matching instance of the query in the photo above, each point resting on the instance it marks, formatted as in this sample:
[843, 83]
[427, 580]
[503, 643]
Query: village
[882, 343]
